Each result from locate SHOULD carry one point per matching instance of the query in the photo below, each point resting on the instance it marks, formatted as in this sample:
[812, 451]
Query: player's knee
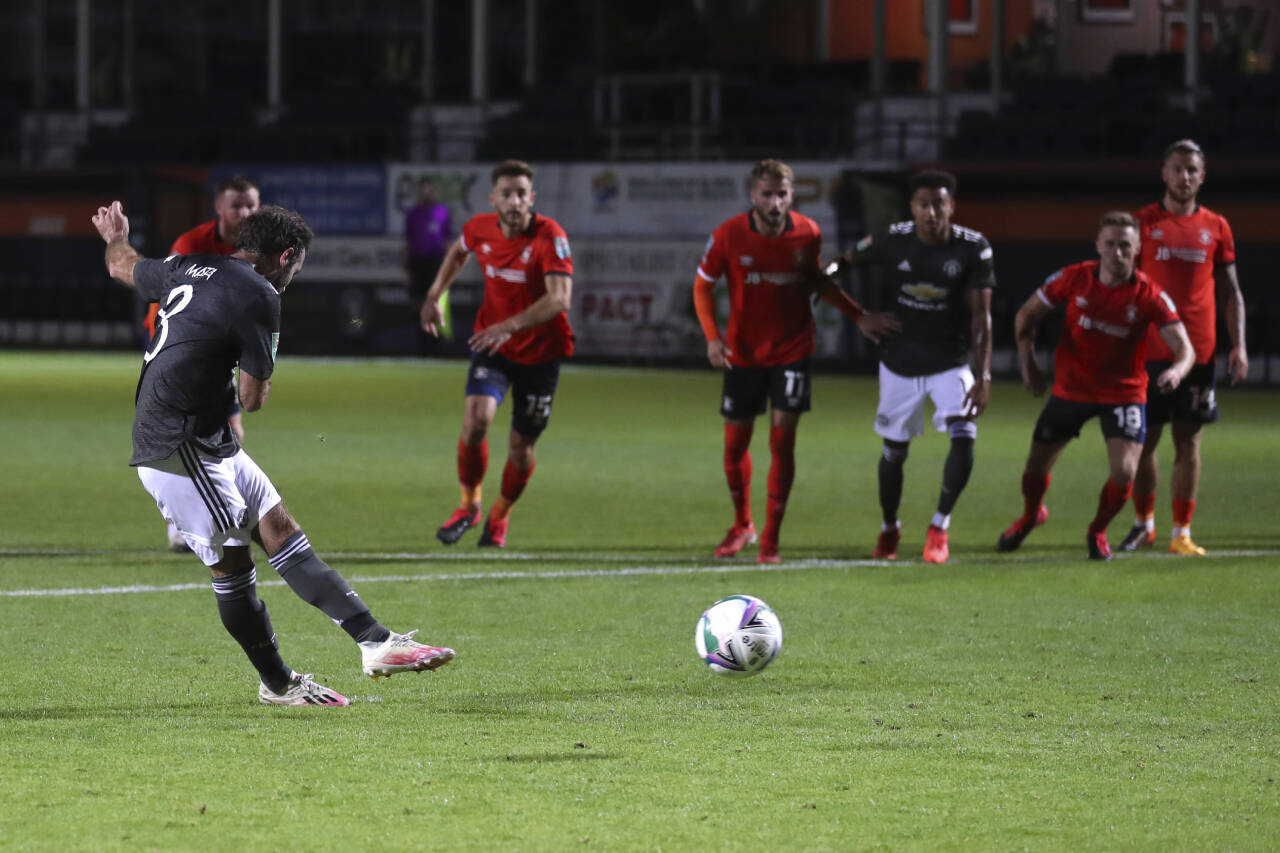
[895, 452]
[275, 527]
[962, 428]
[236, 560]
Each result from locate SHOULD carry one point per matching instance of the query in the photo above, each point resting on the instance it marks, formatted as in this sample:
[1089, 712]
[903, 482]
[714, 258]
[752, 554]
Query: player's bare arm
[547, 307]
[1184, 356]
[979, 395]
[113, 226]
[1227, 285]
[454, 260]
[1030, 315]
[253, 391]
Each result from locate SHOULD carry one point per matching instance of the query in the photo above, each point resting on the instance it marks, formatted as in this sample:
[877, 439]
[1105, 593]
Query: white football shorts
[900, 415]
[213, 502]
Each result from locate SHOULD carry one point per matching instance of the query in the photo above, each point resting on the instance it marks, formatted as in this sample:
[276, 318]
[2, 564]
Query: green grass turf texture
[1027, 701]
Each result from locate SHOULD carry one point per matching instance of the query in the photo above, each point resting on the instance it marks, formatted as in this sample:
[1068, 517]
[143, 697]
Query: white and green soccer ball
[739, 635]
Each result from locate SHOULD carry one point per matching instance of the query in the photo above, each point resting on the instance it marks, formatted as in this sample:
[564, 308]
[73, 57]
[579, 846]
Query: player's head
[277, 239]
[512, 193]
[770, 186]
[426, 191]
[932, 195]
[237, 199]
[1118, 243]
[1183, 170]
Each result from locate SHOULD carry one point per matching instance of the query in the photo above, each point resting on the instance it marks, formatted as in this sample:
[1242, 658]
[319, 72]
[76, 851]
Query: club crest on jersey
[799, 257]
[951, 268]
[275, 344]
[1081, 302]
[485, 248]
[562, 248]
[1205, 236]
[1130, 313]
[1157, 233]
[526, 254]
[746, 260]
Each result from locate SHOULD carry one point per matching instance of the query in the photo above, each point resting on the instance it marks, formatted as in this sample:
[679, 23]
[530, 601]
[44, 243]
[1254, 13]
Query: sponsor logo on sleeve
[864, 244]
[562, 248]
[275, 344]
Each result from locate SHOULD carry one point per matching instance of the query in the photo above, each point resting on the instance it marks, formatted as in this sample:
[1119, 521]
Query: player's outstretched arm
[1227, 287]
[1032, 312]
[546, 307]
[432, 315]
[873, 325]
[1184, 356]
[113, 226]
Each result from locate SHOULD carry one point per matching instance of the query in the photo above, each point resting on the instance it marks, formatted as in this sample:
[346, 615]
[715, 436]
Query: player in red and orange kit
[769, 255]
[237, 198]
[1188, 250]
[1098, 371]
[521, 333]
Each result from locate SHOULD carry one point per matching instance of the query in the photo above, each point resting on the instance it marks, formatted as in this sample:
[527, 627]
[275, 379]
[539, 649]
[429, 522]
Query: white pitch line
[627, 571]
[551, 574]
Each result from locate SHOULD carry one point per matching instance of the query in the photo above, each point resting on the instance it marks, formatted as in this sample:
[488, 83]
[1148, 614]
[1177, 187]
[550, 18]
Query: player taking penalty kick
[1098, 372]
[769, 256]
[521, 333]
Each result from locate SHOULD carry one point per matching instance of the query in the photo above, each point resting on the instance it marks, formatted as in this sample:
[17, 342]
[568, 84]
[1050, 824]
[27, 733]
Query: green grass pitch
[1001, 702]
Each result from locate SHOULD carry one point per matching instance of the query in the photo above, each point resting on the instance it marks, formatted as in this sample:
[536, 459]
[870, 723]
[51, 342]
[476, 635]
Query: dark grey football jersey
[215, 313]
[927, 288]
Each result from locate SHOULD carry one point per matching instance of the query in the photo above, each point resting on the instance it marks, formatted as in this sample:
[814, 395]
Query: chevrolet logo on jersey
[924, 291]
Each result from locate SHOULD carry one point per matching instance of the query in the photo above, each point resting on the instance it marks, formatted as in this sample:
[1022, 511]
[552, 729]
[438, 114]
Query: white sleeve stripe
[702, 275]
[1043, 298]
[462, 241]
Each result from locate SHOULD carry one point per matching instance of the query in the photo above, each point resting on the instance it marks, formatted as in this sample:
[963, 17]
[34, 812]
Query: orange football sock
[738, 470]
[1182, 512]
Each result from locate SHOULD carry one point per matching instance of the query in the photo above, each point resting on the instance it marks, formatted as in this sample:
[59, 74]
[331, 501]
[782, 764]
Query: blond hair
[771, 168]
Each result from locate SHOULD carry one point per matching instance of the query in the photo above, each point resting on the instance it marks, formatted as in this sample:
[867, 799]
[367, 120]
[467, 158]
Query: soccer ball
[739, 635]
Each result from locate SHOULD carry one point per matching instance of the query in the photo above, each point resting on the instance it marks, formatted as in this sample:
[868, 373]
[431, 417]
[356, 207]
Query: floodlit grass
[1027, 701]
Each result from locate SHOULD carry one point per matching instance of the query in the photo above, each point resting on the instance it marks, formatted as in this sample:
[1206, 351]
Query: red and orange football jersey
[1100, 356]
[770, 318]
[1180, 254]
[515, 273]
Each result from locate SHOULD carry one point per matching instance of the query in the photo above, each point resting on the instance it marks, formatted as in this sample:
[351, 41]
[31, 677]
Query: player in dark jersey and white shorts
[938, 277]
[216, 313]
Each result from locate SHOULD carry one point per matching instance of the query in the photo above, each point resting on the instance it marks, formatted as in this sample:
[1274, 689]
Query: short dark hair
[511, 169]
[932, 179]
[1183, 146]
[771, 168]
[238, 182]
[271, 230]
[1119, 218]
